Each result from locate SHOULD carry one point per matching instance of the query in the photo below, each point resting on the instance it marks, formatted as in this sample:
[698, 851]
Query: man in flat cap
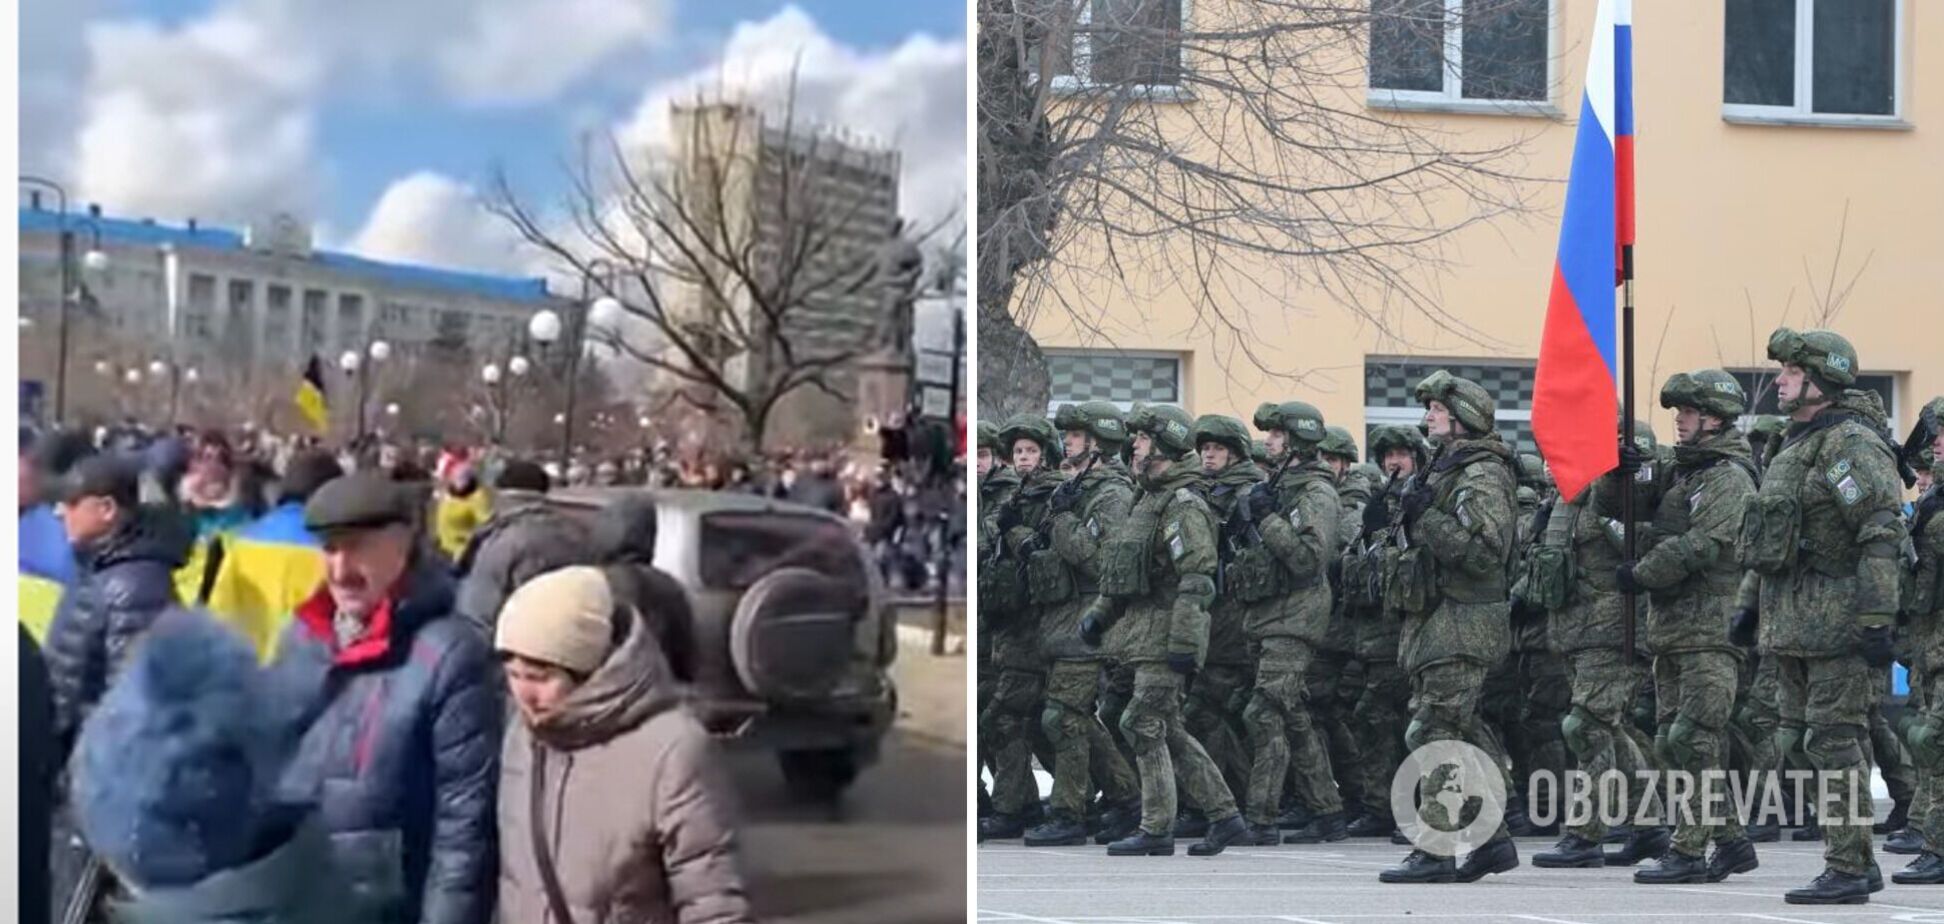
[401, 750]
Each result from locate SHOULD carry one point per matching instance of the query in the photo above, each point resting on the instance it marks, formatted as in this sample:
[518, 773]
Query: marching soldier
[1527, 697]
[1446, 574]
[1062, 579]
[997, 484]
[1690, 517]
[1924, 609]
[1011, 720]
[1157, 581]
[1821, 543]
[1216, 697]
[1334, 678]
[1297, 515]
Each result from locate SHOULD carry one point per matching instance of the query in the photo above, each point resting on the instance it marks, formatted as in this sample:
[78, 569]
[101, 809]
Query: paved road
[894, 851]
[1337, 884]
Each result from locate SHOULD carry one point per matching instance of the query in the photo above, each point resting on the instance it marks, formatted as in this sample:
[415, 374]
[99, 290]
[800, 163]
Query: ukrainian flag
[268, 567]
[310, 396]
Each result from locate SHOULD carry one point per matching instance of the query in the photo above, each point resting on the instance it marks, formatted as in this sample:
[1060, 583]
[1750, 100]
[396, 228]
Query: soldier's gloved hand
[1092, 630]
[1415, 504]
[1010, 516]
[1376, 516]
[1062, 501]
[1624, 576]
[1631, 459]
[1262, 505]
[1182, 663]
[1741, 630]
[1876, 647]
[1521, 610]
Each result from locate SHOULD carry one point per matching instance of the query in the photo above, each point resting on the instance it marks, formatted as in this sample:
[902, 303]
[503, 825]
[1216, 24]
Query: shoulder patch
[1849, 490]
[1837, 471]
[1296, 518]
[1176, 547]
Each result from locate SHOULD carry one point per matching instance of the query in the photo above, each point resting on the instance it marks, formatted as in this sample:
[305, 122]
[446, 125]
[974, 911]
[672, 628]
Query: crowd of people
[266, 680]
[1204, 636]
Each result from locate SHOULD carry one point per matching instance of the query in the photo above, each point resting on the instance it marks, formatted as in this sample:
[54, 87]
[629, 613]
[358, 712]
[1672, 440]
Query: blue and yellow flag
[310, 396]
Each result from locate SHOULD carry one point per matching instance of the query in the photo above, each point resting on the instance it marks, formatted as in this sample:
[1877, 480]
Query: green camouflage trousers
[1887, 750]
[1752, 731]
[1601, 735]
[1444, 707]
[1331, 686]
[1825, 704]
[1213, 715]
[1927, 809]
[1113, 704]
[1381, 712]
[1007, 728]
[1524, 699]
[1084, 758]
[1695, 693]
[1163, 749]
[1282, 737]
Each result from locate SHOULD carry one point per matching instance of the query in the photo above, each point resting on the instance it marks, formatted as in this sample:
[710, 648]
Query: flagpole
[1627, 417]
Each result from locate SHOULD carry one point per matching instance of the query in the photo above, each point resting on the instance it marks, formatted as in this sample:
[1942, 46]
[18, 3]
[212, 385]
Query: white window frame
[1452, 98]
[1081, 80]
[1801, 112]
[1181, 386]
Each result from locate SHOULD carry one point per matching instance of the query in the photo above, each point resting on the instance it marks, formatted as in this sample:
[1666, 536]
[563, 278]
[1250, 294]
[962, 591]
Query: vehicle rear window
[739, 549]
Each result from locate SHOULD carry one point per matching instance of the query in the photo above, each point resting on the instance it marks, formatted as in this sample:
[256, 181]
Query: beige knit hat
[562, 617]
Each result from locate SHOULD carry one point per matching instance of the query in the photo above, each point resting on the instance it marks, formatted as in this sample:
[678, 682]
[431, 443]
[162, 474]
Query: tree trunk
[1013, 378]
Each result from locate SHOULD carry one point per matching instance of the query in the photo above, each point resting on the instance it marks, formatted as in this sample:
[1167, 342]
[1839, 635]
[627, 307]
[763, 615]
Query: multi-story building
[262, 298]
[1787, 166]
[776, 191]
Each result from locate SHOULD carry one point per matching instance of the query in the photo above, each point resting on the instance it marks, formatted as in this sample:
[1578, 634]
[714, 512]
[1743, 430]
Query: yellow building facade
[1745, 195]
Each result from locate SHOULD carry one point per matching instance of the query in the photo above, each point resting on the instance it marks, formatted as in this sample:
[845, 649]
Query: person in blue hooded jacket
[47, 565]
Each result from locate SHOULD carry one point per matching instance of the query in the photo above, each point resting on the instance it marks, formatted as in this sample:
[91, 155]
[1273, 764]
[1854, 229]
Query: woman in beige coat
[604, 763]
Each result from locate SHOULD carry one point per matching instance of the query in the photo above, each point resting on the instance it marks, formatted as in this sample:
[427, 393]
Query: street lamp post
[72, 287]
[590, 311]
[178, 375]
[353, 363]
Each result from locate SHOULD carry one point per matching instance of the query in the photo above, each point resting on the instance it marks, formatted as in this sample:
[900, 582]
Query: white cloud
[523, 51]
[433, 219]
[912, 96]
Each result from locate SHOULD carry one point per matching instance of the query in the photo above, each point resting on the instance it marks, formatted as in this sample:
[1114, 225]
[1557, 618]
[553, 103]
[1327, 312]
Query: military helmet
[989, 438]
[1711, 391]
[1368, 471]
[1827, 355]
[1031, 427]
[1467, 400]
[1172, 430]
[1338, 442]
[1392, 436]
[1643, 434]
[1532, 471]
[1223, 430]
[1300, 419]
[1767, 425]
[1101, 420]
[1259, 452]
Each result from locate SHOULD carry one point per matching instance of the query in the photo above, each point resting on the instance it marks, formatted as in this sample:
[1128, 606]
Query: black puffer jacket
[125, 582]
[402, 757]
[524, 539]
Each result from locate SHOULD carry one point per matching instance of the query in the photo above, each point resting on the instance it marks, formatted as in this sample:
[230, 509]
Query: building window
[197, 310]
[1812, 60]
[1459, 53]
[1389, 398]
[1123, 378]
[1119, 43]
[276, 318]
[350, 321]
[315, 304]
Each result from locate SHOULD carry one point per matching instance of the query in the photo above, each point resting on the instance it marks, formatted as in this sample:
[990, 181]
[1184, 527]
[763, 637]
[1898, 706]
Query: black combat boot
[1321, 829]
[1002, 827]
[1764, 834]
[1618, 834]
[1421, 867]
[1368, 825]
[1905, 842]
[1927, 869]
[1190, 823]
[1294, 816]
[1673, 867]
[1811, 829]
[1142, 844]
[1496, 856]
[1262, 836]
[1220, 834]
[1831, 888]
[1731, 857]
[1898, 818]
[1117, 822]
[1517, 822]
[1646, 844]
[1398, 838]
[1059, 831]
[1572, 852]
[1875, 878]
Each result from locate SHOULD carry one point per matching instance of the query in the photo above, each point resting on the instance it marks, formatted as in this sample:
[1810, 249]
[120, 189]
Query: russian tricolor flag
[1576, 396]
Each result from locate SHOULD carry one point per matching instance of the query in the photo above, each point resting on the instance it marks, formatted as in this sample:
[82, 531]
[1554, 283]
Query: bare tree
[740, 255]
[1828, 298]
[1206, 150]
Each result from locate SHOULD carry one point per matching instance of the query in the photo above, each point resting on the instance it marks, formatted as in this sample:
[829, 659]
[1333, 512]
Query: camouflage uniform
[995, 489]
[1299, 534]
[1924, 608]
[1068, 578]
[1527, 696]
[1820, 542]
[1011, 719]
[1335, 678]
[1157, 582]
[1690, 517]
[1221, 687]
[1383, 705]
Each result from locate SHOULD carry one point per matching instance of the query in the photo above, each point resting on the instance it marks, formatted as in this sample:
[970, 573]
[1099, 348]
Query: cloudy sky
[379, 119]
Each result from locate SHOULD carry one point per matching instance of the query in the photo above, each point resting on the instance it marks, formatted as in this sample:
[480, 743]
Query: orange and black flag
[310, 396]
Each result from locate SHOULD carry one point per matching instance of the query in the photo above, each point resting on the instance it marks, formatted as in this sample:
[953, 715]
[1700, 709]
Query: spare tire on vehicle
[793, 633]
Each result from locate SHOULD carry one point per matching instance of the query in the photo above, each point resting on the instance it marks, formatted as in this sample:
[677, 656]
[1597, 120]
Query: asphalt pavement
[894, 849]
[1337, 884]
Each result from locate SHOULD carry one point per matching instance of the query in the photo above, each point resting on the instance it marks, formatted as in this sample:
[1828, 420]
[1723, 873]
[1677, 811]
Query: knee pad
[1788, 742]
[1686, 746]
[1056, 720]
[1417, 734]
[1926, 741]
[1836, 747]
[1577, 728]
